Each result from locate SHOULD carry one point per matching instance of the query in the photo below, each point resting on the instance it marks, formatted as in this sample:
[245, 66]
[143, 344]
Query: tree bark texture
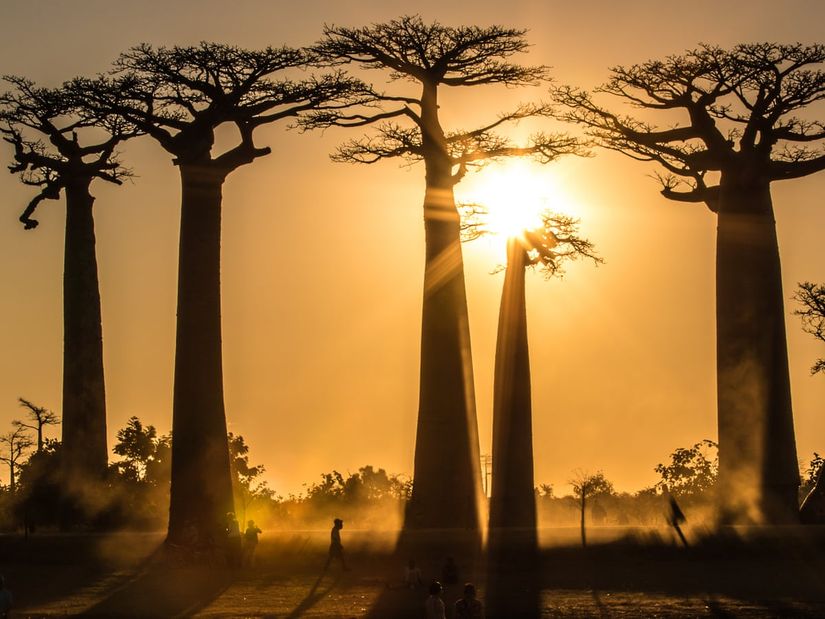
[758, 475]
[85, 456]
[447, 478]
[201, 489]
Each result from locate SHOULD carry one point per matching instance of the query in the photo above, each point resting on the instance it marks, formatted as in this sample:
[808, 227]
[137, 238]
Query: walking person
[336, 549]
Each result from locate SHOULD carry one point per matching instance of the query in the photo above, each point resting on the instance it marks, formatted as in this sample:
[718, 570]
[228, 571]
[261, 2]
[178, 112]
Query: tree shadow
[160, 589]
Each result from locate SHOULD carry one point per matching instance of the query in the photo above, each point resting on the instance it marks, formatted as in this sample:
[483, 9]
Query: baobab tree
[180, 96]
[811, 297]
[61, 149]
[40, 417]
[733, 122]
[447, 488]
[545, 248]
[13, 446]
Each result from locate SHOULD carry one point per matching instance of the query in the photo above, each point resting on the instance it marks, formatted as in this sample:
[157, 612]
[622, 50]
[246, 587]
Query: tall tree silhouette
[58, 149]
[447, 488]
[741, 124]
[180, 96]
[512, 540]
[40, 417]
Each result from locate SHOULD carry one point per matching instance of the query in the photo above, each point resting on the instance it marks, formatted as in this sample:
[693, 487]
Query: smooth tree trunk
[758, 474]
[201, 489]
[447, 478]
[513, 499]
[512, 542]
[84, 455]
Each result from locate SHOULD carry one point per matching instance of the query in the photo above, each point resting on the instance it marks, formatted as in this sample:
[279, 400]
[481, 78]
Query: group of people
[240, 551]
[466, 607]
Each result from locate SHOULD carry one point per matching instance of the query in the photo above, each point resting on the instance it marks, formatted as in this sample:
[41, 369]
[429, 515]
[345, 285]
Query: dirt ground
[622, 573]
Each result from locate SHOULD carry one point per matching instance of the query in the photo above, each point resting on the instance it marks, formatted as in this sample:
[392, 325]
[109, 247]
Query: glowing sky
[323, 263]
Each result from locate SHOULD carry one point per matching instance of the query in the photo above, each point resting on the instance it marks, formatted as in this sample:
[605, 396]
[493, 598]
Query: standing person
[250, 542]
[336, 550]
[449, 573]
[434, 605]
[468, 606]
[233, 540]
[5, 600]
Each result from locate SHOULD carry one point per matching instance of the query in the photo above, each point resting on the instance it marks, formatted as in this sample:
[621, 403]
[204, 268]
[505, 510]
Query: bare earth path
[128, 575]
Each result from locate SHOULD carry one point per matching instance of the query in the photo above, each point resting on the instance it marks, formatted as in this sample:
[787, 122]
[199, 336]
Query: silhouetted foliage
[246, 483]
[810, 475]
[145, 456]
[812, 299]
[407, 125]
[691, 472]
[732, 122]
[40, 416]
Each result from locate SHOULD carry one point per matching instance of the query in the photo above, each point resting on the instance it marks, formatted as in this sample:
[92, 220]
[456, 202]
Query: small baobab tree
[585, 486]
[180, 96]
[13, 447]
[430, 56]
[61, 148]
[732, 122]
[40, 417]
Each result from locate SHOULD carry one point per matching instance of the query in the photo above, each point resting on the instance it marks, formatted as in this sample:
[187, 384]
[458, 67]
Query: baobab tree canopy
[742, 111]
[743, 121]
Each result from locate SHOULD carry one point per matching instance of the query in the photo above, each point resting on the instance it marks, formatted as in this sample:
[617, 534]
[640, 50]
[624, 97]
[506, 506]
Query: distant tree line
[138, 481]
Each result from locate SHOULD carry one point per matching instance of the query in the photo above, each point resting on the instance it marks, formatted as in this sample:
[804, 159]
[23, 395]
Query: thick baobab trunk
[201, 490]
[758, 476]
[447, 478]
[513, 499]
[85, 455]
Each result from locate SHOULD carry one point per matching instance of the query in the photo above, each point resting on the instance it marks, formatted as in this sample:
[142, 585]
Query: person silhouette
[449, 573]
[336, 549]
[434, 605]
[250, 542]
[233, 540]
[675, 516]
[467, 606]
[412, 575]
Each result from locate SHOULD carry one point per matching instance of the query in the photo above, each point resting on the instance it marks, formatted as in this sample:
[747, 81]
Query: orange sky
[323, 263]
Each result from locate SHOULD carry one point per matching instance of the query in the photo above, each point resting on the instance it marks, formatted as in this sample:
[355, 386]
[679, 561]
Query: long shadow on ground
[161, 589]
